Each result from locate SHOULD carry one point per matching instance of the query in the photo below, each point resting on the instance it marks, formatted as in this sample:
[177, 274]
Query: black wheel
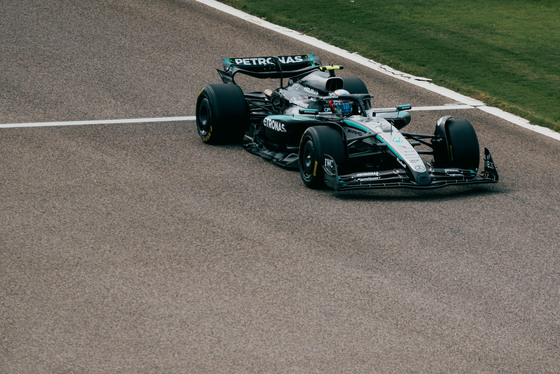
[356, 86]
[222, 114]
[456, 145]
[317, 142]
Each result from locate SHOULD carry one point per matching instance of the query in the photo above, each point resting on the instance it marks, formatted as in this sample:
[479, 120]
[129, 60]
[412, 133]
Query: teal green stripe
[389, 146]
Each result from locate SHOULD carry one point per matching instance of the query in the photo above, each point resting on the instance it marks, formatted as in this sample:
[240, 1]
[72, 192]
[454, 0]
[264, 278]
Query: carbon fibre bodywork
[367, 148]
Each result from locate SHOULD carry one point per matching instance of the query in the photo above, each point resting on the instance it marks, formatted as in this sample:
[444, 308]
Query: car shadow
[446, 193]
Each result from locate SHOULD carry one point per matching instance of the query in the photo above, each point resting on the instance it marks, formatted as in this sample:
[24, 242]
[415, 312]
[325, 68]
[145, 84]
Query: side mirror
[404, 107]
[309, 111]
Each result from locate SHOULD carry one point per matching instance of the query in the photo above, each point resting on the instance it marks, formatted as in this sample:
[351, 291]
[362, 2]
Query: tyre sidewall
[315, 143]
[458, 147]
[228, 114]
[464, 148]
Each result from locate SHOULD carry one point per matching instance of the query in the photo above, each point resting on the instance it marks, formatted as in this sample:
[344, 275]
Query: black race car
[323, 125]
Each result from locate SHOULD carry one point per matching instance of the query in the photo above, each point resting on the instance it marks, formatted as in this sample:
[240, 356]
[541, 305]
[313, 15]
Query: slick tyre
[356, 86]
[222, 114]
[315, 143]
[457, 145]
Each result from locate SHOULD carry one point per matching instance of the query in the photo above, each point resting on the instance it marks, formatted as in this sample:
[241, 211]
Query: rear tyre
[315, 143]
[222, 114]
[456, 144]
[357, 86]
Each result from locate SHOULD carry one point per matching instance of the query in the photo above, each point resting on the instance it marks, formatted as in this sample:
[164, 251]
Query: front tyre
[315, 143]
[456, 144]
[222, 114]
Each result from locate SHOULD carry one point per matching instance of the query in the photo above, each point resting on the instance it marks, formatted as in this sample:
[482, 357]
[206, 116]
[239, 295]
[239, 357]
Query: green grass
[505, 53]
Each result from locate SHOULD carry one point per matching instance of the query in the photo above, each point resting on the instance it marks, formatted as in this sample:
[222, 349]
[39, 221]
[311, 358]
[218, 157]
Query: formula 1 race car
[323, 125]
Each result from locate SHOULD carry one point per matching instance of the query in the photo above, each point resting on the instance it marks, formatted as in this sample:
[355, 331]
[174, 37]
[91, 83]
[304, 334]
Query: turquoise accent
[229, 63]
[309, 111]
[357, 125]
[288, 118]
[389, 146]
[404, 107]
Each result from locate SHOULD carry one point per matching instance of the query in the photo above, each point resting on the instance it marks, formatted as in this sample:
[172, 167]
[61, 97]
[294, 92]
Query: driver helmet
[343, 107]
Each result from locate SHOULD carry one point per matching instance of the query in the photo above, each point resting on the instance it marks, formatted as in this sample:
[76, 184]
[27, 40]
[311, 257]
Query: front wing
[399, 178]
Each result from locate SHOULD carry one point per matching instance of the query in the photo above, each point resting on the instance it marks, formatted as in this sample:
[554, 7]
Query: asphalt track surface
[135, 248]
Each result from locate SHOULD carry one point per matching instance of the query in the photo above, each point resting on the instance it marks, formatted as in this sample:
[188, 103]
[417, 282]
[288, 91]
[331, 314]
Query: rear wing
[268, 66]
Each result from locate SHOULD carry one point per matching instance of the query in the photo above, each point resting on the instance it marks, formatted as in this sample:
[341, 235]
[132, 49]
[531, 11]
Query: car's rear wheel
[316, 142]
[222, 114]
[356, 86]
[456, 144]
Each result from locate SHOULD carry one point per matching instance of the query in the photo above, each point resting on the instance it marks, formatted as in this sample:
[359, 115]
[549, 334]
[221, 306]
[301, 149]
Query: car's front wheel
[316, 142]
[456, 144]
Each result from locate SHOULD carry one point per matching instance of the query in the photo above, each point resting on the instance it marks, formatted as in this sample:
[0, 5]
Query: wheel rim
[204, 118]
[308, 160]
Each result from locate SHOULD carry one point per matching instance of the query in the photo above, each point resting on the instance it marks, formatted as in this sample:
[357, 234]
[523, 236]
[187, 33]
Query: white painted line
[428, 108]
[96, 122]
[191, 118]
[417, 81]
[442, 107]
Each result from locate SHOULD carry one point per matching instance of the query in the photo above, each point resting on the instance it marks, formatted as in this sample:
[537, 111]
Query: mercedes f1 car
[324, 125]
